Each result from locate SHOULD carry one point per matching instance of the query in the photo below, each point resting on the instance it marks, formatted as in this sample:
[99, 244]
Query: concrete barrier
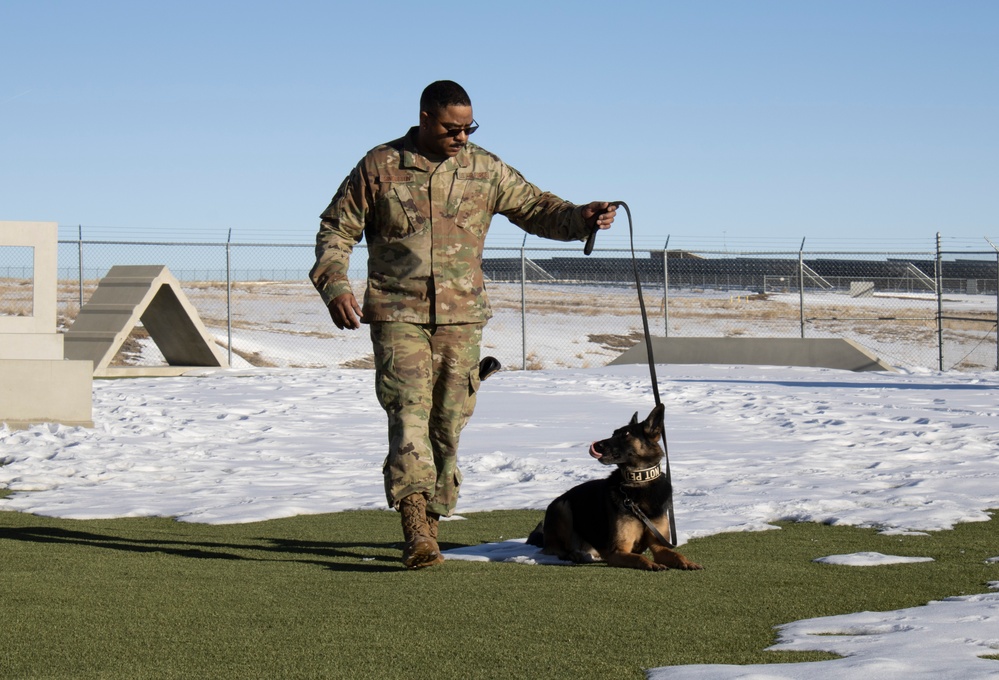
[861, 289]
[820, 352]
[37, 383]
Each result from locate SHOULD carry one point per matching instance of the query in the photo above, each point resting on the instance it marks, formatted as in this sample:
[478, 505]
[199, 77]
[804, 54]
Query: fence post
[939, 277]
[666, 288]
[996, 248]
[523, 303]
[228, 293]
[79, 253]
[801, 287]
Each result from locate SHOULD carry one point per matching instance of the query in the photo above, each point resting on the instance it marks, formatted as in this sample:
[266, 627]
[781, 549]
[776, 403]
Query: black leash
[632, 506]
[587, 249]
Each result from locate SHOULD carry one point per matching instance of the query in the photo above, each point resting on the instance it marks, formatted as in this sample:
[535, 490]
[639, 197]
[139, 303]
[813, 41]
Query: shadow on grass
[370, 555]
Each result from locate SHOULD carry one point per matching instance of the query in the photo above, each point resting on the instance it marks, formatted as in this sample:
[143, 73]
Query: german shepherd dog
[593, 521]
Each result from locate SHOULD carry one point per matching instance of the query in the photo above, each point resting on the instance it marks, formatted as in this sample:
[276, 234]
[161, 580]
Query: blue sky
[739, 123]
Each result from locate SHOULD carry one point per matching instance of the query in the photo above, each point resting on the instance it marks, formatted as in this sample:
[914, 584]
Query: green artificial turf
[325, 596]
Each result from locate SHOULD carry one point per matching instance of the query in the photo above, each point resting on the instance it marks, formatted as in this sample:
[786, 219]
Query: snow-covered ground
[913, 451]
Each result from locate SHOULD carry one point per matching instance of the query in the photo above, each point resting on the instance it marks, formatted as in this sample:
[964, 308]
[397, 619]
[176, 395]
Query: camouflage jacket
[425, 225]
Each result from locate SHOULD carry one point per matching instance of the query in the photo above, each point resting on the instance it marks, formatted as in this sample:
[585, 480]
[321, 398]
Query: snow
[749, 445]
[940, 640]
[870, 559]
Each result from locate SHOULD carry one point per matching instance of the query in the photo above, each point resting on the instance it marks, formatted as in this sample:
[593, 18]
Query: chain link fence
[17, 273]
[555, 308]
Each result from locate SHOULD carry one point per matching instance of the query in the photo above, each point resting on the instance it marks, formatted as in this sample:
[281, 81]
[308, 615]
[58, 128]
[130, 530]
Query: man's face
[445, 132]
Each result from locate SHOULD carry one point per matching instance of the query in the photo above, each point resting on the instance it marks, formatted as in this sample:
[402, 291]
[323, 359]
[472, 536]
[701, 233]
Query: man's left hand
[599, 214]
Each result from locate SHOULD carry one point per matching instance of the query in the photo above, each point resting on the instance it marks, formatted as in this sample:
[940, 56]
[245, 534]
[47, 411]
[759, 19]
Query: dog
[594, 521]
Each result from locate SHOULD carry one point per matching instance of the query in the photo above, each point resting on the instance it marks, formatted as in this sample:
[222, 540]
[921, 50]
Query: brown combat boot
[432, 520]
[421, 549]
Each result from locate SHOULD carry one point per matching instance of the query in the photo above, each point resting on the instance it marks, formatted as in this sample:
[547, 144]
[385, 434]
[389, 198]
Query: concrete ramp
[820, 352]
[150, 294]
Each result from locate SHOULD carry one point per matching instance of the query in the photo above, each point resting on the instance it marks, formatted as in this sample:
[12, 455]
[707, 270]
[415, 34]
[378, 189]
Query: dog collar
[645, 475]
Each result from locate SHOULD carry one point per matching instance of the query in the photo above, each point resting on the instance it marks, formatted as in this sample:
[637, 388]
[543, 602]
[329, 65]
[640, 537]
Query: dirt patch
[254, 358]
[363, 362]
[130, 353]
[616, 343]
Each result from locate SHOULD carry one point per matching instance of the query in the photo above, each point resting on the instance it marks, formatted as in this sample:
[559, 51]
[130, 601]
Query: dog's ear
[634, 419]
[653, 425]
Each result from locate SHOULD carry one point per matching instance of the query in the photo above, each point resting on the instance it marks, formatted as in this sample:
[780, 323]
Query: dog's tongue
[593, 451]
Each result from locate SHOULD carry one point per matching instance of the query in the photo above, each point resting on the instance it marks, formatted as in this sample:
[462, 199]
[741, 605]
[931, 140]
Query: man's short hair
[441, 94]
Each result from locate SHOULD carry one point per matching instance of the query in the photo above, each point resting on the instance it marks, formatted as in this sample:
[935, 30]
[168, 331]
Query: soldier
[424, 203]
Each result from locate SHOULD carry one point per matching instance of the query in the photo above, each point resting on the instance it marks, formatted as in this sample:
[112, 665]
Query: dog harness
[640, 476]
[632, 507]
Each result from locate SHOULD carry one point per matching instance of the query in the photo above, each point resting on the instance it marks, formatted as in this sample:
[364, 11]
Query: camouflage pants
[426, 378]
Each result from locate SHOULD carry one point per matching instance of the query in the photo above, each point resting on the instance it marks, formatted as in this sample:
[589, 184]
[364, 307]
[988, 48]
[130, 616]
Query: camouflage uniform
[425, 224]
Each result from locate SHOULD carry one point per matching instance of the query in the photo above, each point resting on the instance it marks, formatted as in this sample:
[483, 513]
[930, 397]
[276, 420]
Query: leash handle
[592, 238]
[588, 248]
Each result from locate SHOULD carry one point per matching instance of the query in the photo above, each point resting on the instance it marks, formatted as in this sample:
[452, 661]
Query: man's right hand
[345, 311]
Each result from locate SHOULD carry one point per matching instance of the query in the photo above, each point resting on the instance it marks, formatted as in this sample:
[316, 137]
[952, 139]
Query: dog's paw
[687, 565]
[581, 557]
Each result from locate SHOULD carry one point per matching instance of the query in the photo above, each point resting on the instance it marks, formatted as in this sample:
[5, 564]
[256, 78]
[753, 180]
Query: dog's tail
[537, 537]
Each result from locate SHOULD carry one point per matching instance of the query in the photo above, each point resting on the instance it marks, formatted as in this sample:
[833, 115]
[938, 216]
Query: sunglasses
[455, 131]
